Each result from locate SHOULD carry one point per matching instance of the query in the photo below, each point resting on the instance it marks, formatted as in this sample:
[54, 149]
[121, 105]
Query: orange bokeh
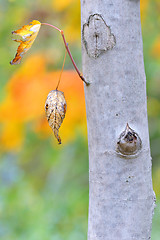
[26, 93]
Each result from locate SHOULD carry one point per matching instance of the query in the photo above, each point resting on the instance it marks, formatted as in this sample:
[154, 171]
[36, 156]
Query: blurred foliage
[44, 187]
[26, 93]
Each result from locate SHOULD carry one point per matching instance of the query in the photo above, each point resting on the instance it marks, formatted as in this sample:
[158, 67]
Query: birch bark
[121, 197]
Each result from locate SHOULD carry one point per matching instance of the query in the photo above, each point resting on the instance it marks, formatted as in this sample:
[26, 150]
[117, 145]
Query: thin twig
[69, 53]
[51, 26]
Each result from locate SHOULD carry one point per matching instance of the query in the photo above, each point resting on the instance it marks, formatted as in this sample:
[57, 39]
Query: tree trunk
[121, 197]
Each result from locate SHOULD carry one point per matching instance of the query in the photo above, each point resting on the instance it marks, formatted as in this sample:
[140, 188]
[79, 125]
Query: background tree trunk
[121, 197]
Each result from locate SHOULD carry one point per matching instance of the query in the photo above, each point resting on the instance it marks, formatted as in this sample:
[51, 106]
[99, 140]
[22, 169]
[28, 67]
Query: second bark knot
[97, 36]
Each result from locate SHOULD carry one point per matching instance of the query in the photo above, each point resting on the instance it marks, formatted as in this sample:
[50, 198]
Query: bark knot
[129, 142]
[97, 36]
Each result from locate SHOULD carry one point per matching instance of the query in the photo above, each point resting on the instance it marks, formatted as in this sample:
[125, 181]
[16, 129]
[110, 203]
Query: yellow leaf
[28, 33]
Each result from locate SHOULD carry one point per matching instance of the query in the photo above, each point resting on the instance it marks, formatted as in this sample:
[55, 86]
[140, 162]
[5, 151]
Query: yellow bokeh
[156, 180]
[71, 15]
[61, 5]
[143, 8]
[12, 135]
[155, 51]
[153, 107]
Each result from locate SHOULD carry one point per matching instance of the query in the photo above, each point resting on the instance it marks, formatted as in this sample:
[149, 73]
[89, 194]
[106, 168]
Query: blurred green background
[44, 186]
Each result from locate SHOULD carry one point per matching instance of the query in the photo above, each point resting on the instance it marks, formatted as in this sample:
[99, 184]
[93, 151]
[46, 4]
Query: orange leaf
[28, 33]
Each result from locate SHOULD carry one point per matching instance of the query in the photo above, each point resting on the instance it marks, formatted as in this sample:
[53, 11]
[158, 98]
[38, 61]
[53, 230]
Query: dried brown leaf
[55, 108]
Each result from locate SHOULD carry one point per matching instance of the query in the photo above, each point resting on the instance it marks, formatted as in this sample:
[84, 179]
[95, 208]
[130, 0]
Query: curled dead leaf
[55, 108]
[28, 34]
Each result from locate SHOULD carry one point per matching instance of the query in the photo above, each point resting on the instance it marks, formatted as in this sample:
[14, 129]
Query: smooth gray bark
[121, 197]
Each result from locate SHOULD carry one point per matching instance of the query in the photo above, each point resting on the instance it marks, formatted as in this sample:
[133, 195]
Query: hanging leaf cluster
[55, 105]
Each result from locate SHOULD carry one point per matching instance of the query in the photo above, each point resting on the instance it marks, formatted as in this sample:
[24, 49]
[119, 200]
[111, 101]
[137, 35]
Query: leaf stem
[69, 53]
[61, 70]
